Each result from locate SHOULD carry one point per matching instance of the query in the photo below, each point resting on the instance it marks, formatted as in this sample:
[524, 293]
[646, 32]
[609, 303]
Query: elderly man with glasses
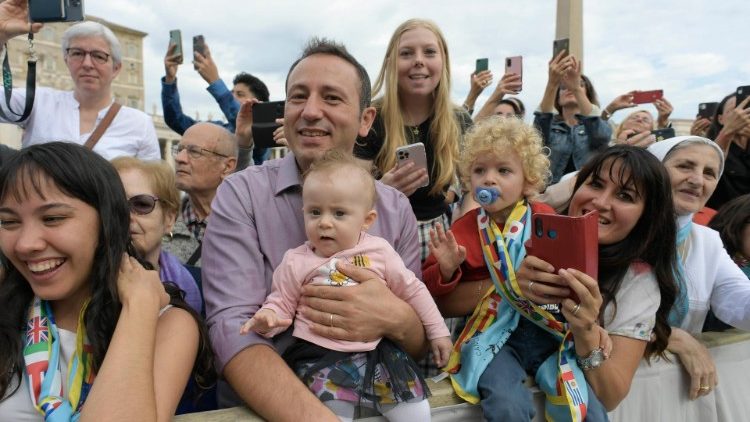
[206, 154]
[94, 58]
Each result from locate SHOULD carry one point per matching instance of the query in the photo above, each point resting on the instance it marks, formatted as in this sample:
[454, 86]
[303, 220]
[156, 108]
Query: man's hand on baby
[266, 323]
[441, 350]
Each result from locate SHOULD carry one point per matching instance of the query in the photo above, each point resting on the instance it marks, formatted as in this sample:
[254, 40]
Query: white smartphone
[413, 153]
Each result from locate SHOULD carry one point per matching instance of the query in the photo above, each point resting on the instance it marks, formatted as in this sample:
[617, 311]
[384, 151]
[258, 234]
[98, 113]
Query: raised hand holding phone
[175, 39]
[514, 66]
[265, 124]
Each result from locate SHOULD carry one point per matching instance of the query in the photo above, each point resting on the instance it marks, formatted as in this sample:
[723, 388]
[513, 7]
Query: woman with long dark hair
[76, 306]
[631, 299]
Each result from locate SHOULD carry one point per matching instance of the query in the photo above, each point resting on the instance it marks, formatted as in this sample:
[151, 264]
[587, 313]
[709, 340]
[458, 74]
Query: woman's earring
[168, 237]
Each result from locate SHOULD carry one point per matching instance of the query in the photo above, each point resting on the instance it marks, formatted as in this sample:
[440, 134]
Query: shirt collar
[289, 175]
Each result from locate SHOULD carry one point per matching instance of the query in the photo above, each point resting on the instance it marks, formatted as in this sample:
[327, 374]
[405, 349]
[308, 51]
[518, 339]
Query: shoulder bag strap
[103, 125]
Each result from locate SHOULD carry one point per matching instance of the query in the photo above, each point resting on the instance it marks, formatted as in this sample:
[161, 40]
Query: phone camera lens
[552, 234]
[538, 229]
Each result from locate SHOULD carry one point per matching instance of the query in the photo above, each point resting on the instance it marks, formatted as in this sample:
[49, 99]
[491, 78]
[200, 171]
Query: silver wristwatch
[593, 360]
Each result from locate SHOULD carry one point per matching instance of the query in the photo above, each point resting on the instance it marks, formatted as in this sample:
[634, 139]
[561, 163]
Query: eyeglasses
[77, 55]
[194, 151]
[142, 204]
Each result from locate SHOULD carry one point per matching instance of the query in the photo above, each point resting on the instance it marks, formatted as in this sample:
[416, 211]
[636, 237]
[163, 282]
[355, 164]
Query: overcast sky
[696, 51]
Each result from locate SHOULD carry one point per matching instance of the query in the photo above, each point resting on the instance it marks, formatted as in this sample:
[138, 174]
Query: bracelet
[606, 114]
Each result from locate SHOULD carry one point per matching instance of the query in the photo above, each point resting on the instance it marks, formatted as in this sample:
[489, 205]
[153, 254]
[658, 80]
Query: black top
[736, 178]
[424, 205]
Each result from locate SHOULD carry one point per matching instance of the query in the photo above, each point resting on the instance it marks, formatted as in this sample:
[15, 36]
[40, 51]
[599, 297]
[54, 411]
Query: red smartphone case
[566, 242]
[645, 97]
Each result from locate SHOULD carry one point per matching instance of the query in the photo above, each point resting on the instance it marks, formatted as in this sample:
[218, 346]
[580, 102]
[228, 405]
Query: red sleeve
[541, 207]
[434, 280]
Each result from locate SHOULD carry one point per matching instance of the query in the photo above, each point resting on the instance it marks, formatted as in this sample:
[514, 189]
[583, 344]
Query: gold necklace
[414, 131]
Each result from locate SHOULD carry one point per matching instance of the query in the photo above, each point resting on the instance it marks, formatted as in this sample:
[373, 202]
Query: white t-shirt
[18, 407]
[637, 299]
[55, 117]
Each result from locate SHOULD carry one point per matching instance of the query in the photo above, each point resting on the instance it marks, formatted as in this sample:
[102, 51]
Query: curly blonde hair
[496, 135]
[444, 128]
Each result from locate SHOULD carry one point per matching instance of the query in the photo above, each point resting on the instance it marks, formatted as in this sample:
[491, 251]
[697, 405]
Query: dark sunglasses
[142, 204]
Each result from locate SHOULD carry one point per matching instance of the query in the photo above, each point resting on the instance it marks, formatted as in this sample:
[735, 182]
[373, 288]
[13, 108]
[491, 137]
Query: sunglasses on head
[142, 204]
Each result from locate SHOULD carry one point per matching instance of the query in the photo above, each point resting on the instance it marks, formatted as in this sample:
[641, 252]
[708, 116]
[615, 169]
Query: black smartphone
[199, 45]
[55, 10]
[707, 110]
[482, 65]
[175, 37]
[264, 123]
[742, 93]
[662, 134]
[561, 45]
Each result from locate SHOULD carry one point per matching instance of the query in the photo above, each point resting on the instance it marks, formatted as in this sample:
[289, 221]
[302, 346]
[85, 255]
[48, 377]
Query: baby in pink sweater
[338, 198]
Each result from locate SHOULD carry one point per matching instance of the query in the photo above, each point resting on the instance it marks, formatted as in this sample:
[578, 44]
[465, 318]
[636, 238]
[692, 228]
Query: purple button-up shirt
[255, 218]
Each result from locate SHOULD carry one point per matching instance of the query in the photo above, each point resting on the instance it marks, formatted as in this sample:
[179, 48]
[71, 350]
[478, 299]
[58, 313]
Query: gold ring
[576, 309]
[331, 322]
[531, 287]
[704, 388]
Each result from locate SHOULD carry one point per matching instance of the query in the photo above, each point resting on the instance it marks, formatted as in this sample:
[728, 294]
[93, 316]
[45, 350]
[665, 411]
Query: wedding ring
[331, 322]
[531, 287]
[576, 309]
[704, 388]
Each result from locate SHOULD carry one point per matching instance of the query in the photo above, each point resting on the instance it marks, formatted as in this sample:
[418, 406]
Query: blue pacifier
[486, 196]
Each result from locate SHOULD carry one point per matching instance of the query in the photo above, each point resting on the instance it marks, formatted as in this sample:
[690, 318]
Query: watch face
[597, 357]
[593, 360]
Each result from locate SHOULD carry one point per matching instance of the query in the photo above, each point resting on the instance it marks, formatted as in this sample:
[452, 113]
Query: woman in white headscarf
[709, 279]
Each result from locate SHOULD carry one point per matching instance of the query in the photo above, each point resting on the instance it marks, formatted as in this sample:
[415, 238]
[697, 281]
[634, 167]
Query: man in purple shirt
[257, 216]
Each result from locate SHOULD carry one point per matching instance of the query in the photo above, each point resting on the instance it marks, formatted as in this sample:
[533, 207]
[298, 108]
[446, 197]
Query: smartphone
[662, 134]
[645, 97]
[55, 10]
[707, 110]
[413, 153]
[199, 44]
[742, 93]
[561, 45]
[264, 123]
[482, 65]
[175, 37]
[514, 65]
[566, 242]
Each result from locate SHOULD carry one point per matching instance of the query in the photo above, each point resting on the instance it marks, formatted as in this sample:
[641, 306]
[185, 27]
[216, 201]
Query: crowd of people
[330, 283]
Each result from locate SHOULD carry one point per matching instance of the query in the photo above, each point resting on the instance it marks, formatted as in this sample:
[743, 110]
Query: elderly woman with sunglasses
[154, 200]
[93, 56]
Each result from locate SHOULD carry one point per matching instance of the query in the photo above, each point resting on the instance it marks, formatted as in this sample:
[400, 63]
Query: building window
[134, 102]
[47, 34]
[133, 77]
[48, 63]
[132, 50]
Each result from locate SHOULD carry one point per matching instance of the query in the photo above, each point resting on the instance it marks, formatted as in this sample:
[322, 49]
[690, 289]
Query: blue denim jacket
[179, 121]
[578, 142]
